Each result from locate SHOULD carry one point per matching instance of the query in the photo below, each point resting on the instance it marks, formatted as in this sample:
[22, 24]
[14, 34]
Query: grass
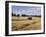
[22, 23]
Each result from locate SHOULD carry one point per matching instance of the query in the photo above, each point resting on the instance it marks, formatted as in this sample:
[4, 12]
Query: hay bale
[30, 18]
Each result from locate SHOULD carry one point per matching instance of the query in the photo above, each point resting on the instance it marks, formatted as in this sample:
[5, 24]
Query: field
[22, 23]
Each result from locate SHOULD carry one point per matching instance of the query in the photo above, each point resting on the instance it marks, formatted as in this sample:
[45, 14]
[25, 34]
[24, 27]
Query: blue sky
[28, 10]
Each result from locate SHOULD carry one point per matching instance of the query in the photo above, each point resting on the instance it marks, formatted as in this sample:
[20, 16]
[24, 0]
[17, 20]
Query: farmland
[23, 23]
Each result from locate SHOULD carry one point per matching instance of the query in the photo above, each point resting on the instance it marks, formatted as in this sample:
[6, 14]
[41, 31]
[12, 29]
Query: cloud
[27, 10]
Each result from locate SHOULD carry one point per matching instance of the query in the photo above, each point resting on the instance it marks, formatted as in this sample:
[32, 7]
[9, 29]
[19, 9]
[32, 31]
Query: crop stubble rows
[25, 24]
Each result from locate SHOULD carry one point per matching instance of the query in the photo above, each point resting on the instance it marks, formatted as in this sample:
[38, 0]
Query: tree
[14, 14]
[18, 15]
[23, 14]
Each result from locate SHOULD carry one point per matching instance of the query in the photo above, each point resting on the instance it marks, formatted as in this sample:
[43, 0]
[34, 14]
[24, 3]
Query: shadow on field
[16, 28]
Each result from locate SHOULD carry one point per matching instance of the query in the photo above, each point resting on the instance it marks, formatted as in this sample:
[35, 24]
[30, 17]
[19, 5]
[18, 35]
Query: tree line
[19, 15]
[26, 15]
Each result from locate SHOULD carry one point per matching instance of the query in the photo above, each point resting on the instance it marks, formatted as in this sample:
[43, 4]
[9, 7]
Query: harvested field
[22, 23]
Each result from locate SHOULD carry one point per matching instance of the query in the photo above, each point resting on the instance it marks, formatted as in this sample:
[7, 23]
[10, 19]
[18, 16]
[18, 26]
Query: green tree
[18, 15]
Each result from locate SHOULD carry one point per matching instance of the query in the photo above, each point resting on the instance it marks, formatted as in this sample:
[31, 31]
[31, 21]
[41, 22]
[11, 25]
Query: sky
[28, 10]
